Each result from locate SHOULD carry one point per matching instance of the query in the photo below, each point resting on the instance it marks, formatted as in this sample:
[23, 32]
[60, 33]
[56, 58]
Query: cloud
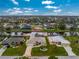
[49, 7]
[57, 11]
[28, 9]
[47, 2]
[36, 10]
[27, 0]
[15, 11]
[15, 2]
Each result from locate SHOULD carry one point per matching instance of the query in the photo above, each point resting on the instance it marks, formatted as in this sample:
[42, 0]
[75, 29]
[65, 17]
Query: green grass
[17, 30]
[47, 42]
[15, 51]
[0, 46]
[54, 30]
[74, 45]
[52, 50]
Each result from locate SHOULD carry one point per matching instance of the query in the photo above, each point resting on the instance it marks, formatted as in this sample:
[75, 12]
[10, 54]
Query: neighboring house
[58, 40]
[13, 41]
[8, 25]
[14, 33]
[52, 34]
[25, 26]
[49, 25]
[68, 26]
[41, 34]
[71, 34]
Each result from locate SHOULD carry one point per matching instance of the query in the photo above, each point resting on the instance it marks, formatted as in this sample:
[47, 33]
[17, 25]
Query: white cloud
[49, 7]
[57, 11]
[13, 11]
[16, 12]
[27, 0]
[15, 2]
[36, 10]
[28, 9]
[47, 2]
[16, 8]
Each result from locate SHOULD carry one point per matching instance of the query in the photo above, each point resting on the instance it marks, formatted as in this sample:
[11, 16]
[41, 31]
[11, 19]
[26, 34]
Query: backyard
[74, 43]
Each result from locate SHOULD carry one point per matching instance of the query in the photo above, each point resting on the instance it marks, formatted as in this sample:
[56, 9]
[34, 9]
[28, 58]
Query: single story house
[58, 40]
[13, 41]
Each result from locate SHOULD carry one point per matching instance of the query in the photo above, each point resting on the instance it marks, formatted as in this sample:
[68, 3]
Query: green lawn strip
[17, 30]
[19, 51]
[52, 50]
[74, 45]
[53, 30]
[47, 41]
[0, 46]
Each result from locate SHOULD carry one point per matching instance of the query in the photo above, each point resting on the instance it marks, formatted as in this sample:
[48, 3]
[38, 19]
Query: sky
[39, 7]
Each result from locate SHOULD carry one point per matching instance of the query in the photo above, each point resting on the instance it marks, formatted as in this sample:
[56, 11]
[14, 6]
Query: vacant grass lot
[74, 43]
[19, 51]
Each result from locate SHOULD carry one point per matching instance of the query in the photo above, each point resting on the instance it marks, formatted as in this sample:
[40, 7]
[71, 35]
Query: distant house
[25, 26]
[68, 26]
[49, 25]
[52, 34]
[14, 33]
[41, 34]
[8, 25]
[13, 41]
[71, 33]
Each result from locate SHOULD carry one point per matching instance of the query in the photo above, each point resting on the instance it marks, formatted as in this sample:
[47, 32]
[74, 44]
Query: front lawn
[52, 50]
[74, 43]
[19, 51]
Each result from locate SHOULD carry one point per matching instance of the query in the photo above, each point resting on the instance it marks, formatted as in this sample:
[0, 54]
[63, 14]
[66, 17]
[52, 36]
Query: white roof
[58, 39]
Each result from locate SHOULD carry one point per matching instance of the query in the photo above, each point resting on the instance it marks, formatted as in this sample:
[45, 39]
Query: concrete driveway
[29, 45]
[2, 50]
[28, 51]
[69, 50]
